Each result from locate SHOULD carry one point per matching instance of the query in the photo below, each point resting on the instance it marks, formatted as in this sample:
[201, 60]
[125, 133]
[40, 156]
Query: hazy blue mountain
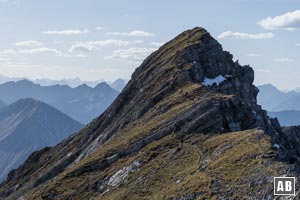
[70, 82]
[29, 125]
[118, 84]
[82, 103]
[287, 117]
[297, 89]
[272, 99]
[4, 79]
[2, 104]
[291, 103]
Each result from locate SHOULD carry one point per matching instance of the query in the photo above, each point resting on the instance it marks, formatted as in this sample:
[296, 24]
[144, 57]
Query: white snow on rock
[209, 82]
[276, 146]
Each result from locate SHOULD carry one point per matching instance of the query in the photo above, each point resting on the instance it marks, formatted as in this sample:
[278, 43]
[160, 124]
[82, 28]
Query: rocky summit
[186, 126]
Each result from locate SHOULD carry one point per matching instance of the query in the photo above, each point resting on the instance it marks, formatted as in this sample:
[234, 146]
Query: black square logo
[284, 185]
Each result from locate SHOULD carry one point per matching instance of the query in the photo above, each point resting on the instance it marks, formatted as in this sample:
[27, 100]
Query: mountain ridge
[28, 125]
[271, 97]
[2, 104]
[82, 103]
[164, 119]
[287, 117]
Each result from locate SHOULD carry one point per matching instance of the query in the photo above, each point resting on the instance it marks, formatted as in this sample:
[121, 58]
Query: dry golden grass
[235, 159]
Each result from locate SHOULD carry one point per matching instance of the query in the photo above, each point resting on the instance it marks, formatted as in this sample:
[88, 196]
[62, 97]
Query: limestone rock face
[174, 118]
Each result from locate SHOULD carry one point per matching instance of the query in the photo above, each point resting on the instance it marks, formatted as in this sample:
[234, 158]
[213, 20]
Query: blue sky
[99, 39]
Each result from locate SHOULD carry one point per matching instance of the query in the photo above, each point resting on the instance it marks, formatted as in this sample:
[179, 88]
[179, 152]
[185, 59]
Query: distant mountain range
[75, 82]
[287, 117]
[283, 105]
[272, 99]
[70, 82]
[118, 84]
[29, 125]
[2, 104]
[82, 103]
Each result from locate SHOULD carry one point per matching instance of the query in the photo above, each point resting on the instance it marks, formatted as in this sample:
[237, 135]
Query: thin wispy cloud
[66, 32]
[131, 55]
[7, 52]
[42, 50]
[93, 46]
[253, 55]
[136, 33]
[81, 55]
[100, 28]
[284, 60]
[239, 35]
[263, 71]
[156, 44]
[287, 21]
[5, 55]
[83, 48]
[110, 42]
[10, 1]
[298, 45]
[29, 43]
[4, 59]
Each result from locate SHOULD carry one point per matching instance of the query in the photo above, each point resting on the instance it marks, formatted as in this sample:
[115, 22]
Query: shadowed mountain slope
[287, 117]
[2, 104]
[29, 125]
[82, 103]
[118, 84]
[186, 126]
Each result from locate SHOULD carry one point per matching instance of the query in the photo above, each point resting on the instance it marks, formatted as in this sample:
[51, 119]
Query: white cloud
[238, 35]
[262, 70]
[156, 44]
[137, 33]
[298, 45]
[12, 1]
[5, 55]
[131, 55]
[29, 43]
[83, 48]
[2, 59]
[110, 42]
[81, 56]
[285, 60]
[287, 21]
[58, 42]
[66, 32]
[7, 52]
[42, 50]
[93, 46]
[100, 28]
[253, 55]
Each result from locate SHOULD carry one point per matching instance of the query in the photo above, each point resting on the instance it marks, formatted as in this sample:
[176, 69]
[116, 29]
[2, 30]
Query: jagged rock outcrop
[288, 142]
[169, 128]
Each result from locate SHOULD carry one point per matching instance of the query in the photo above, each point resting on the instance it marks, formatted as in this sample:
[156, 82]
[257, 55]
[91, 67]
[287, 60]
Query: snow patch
[276, 146]
[217, 80]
